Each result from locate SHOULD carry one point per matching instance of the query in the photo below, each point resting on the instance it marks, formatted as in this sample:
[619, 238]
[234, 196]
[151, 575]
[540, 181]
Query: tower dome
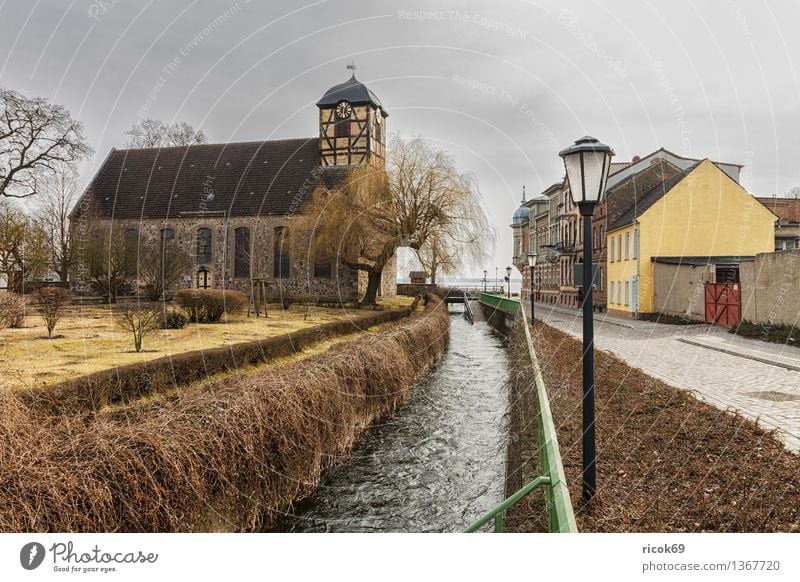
[521, 214]
[354, 92]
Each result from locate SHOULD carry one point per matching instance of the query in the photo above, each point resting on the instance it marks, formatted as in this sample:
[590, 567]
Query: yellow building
[699, 212]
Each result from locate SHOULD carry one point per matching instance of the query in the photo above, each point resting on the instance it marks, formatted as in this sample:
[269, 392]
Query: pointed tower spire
[523, 194]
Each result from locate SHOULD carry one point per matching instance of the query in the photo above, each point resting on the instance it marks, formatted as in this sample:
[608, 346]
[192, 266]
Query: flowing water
[438, 464]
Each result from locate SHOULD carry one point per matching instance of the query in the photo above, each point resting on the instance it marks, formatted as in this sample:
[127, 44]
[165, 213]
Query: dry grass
[88, 341]
[228, 455]
[667, 462]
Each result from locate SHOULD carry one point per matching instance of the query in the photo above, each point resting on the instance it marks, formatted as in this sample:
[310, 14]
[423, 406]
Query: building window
[241, 252]
[627, 292]
[322, 265]
[619, 247]
[611, 250]
[203, 245]
[619, 292]
[342, 128]
[132, 250]
[281, 265]
[167, 236]
[611, 292]
[627, 245]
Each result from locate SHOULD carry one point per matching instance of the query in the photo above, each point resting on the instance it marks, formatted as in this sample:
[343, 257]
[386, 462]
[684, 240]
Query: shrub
[140, 320]
[174, 319]
[209, 305]
[51, 303]
[12, 310]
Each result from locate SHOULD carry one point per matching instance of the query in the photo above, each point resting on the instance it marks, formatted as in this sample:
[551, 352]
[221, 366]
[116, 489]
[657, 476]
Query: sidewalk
[773, 354]
[710, 337]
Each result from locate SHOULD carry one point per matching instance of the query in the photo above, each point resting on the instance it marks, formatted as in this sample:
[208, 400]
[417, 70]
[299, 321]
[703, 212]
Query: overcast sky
[502, 86]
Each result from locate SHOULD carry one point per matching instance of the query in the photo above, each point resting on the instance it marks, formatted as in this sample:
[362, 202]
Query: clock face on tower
[343, 110]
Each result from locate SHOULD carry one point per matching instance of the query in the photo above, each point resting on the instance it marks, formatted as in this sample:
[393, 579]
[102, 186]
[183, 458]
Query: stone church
[232, 205]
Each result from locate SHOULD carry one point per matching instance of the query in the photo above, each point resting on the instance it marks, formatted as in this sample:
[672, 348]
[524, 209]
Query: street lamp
[508, 280]
[532, 264]
[485, 273]
[587, 162]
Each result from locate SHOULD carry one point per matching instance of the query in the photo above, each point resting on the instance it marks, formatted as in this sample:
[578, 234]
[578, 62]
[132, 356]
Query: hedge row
[125, 384]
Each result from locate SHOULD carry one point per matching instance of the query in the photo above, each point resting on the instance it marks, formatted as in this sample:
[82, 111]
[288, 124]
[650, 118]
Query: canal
[439, 463]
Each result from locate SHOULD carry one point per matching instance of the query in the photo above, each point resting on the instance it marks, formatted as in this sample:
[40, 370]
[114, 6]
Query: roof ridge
[230, 143]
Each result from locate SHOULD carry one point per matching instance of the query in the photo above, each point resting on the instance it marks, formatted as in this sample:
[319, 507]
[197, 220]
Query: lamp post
[508, 280]
[587, 162]
[485, 273]
[532, 264]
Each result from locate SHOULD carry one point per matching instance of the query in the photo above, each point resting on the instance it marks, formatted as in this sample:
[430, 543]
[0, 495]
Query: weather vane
[352, 66]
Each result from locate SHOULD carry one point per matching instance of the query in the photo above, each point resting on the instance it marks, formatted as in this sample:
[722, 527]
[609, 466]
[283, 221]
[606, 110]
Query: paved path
[759, 380]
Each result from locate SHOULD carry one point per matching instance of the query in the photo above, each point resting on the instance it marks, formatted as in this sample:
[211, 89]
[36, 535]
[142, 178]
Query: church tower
[352, 125]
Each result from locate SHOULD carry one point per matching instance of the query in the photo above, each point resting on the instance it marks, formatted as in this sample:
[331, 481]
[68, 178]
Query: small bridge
[500, 303]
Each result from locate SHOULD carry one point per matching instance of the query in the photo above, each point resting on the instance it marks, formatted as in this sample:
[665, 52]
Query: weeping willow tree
[422, 200]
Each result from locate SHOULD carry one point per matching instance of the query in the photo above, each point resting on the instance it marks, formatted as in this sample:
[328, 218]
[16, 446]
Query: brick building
[234, 206]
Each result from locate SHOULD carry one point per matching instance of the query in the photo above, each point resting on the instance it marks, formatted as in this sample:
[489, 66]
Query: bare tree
[458, 244]
[794, 193]
[60, 191]
[51, 303]
[152, 133]
[162, 264]
[140, 320]
[109, 259]
[421, 197]
[24, 249]
[35, 135]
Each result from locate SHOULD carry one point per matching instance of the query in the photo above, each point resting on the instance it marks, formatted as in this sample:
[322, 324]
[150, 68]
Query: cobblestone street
[766, 392]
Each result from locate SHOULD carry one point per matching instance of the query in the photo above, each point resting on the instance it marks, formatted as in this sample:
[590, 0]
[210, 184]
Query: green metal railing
[504, 304]
[553, 481]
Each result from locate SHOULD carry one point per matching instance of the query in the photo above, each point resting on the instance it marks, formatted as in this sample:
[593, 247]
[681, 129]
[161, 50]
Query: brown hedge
[210, 305]
[227, 455]
[125, 384]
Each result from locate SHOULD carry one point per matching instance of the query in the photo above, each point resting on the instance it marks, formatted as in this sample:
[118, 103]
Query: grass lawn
[87, 340]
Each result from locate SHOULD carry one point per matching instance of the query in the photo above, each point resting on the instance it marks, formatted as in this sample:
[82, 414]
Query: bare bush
[51, 302]
[210, 305]
[140, 320]
[12, 310]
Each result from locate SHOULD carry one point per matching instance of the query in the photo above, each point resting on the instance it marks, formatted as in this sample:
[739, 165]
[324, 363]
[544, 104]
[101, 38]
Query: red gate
[722, 303]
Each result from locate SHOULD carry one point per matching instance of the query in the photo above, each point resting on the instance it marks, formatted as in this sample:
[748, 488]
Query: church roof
[353, 91]
[239, 179]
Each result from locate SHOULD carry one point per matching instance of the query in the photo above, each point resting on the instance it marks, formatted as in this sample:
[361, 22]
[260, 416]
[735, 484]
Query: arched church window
[282, 258]
[203, 245]
[241, 252]
[132, 249]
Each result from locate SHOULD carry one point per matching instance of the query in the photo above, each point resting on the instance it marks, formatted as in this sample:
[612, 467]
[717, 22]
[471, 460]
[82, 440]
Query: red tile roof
[787, 209]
